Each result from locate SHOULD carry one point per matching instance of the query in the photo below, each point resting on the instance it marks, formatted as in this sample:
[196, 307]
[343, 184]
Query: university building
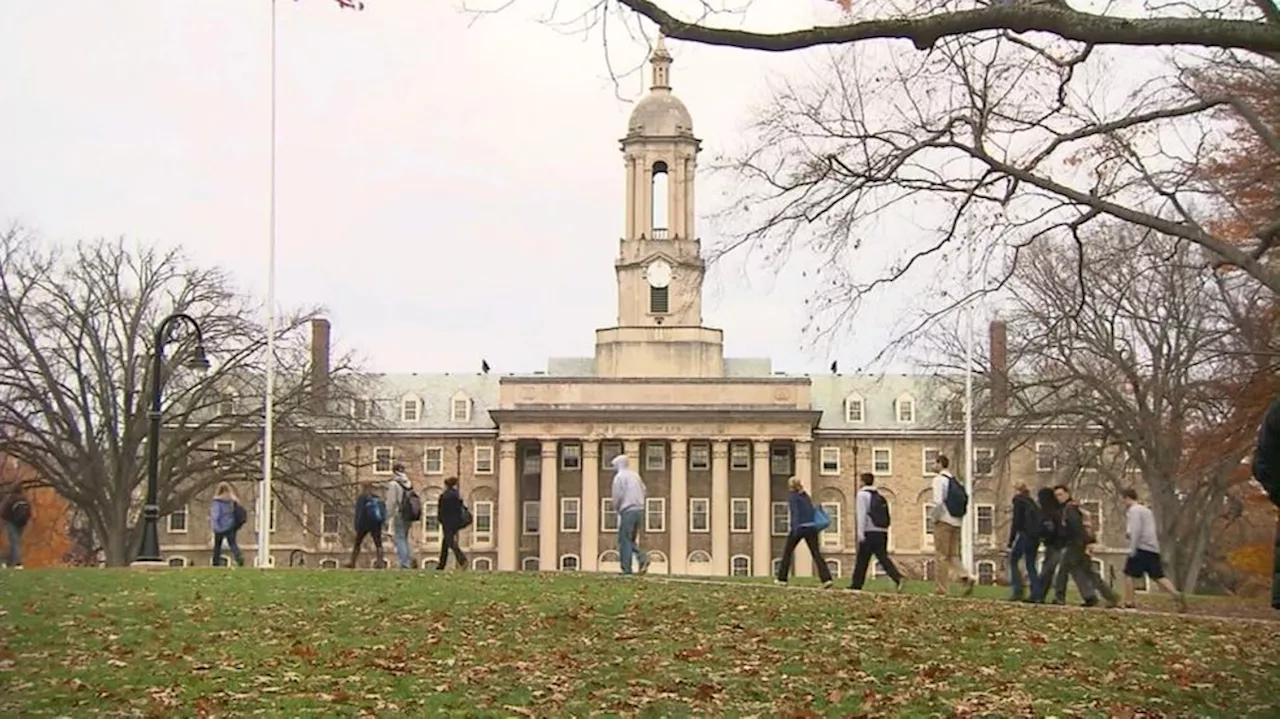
[715, 438]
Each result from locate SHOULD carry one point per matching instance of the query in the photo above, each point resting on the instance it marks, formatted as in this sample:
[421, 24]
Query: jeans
[401, 534]
[1077, 566]
[1024, 550]
[1048, 574]
[13, 536]
[449, 540]
[230, 539]
[628, 531]
[875, 544]
[810, 537]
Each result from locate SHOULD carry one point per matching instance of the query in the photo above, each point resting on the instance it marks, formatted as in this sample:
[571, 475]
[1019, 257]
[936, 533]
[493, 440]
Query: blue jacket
[801, 510]
[222, 515]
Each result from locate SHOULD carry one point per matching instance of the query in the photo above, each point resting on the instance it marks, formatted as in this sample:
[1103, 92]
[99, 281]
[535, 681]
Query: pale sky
[446, 192]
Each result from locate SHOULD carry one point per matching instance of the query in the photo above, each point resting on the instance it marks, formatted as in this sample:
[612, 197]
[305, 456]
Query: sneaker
[780, 582]
[644, 567]
[1130, 607]
[462, 566]
[1090, 602]
[827, 584]
[1181, 599]
[899, 585]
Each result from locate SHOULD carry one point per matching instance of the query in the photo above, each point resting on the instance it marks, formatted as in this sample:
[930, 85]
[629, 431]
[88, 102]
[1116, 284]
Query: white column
[720, 508]
[548, 510]
[508, 508]
[590, 511]
[804, 473]
[679, 501]
[761, 519]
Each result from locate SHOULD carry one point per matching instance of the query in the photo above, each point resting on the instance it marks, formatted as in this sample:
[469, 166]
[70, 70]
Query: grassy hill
[309, 643]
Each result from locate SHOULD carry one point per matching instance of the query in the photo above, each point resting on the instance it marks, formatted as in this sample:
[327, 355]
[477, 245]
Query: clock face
[658, 273]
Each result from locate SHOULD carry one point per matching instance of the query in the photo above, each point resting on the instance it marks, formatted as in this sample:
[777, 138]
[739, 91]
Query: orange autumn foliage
[46, 538]
[1246, 168]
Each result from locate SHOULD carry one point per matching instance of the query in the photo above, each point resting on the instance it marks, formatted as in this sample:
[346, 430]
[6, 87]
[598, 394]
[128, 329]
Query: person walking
[1144, 552]
[803, 527]
[226, 516]
[629, 502]
[1076, 562]
[15, 514]
[1024, 542]
[950, 503]
[1051, 536]
[371, 517]
[449, 510]
[873, 534]
[407, 508]
[1266, 469]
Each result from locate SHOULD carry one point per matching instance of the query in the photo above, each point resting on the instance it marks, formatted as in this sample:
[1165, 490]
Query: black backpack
[464, 517]
[238, 517]
[410, 505]
[878, 510]
[956, 499]
[20, 512]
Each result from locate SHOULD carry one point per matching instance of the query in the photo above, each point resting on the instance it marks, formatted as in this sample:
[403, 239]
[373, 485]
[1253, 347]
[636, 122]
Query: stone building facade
[715, 438]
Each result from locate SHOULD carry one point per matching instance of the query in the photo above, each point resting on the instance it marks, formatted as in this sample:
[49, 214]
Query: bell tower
[659, 268]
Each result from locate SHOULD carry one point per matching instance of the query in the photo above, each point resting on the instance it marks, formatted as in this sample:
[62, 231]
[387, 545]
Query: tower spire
[661, 61]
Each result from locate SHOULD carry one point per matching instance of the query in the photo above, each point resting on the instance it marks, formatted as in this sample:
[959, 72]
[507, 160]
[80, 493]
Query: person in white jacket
[397, 489]
[628, 502]
[946, 531]
[1144, 552]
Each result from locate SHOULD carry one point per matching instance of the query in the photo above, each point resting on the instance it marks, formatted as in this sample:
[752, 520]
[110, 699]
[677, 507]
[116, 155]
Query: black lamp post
[149, 552]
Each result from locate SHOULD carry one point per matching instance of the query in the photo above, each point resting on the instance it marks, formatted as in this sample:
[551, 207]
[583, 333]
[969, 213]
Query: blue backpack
[820, 519]
[375, 511]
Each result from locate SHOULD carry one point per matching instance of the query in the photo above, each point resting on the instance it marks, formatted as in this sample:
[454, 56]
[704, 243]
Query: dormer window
[410, 409]
[460, 408]
[955, 410]
[360, 408]
[905, 408]
[854, 409]
[227, 403]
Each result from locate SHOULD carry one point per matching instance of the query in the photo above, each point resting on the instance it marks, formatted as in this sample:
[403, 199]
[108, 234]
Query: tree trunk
[1195, 562]
[116, 547]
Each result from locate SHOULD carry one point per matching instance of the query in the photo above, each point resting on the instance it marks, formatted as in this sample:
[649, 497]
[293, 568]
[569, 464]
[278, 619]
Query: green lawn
[297, 643]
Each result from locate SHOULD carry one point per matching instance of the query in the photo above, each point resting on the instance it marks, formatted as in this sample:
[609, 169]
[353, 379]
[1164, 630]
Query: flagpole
[967, 530]
[268, 434]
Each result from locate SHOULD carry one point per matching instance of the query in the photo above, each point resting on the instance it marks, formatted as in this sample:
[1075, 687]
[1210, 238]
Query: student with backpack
[873, 534]
[950, 504]
[15, 513]
[226, 517]
[371, 517]
[1024, 542]
[1053, 539]
[406, 508]
[454, 517]
[807, 522]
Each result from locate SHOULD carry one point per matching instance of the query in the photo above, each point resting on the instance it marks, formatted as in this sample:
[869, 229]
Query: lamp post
[149, 552]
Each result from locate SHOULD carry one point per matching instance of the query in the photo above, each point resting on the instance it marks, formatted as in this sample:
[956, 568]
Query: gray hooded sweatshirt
[628, 488]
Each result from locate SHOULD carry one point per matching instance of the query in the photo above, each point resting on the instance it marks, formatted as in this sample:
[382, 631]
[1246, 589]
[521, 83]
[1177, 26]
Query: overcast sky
[447, 192]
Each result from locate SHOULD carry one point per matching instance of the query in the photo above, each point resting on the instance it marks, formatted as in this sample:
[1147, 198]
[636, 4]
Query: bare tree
[1140, 364]
[76, 344]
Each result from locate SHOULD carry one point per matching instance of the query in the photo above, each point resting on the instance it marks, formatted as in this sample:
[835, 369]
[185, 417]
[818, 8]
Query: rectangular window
[655, 456]
[531, 460]
[740, 566]
[530, 518]
[431, 516]
[928, 525]
[332, 461]
[409, 410]
[433, 461]
[740, 514]
[1091, 456]
[739, 455]
[832, 534]
[659, 300]
[906, 411]
[608, 517]
[929, 458]
[484, 460]
[609, 450]
[655, 515]
[382, 460]
[699, 514]
[462, 410]
[853, 410]
[881, 461]
[360, 408]
[829, 458]
[700, 456]
[986, 520]
[1046, 457]
[482, 529]
[780, 461]
[328, 519]
[984, 461]
[781, 519]
[570, 514]
[178, 521]
[571, 457]
[221, 450]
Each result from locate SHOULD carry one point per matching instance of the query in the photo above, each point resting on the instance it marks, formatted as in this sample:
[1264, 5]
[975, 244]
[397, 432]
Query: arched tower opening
[660, 201]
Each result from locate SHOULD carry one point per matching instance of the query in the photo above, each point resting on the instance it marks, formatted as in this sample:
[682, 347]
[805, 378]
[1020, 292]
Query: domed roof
[660, 113]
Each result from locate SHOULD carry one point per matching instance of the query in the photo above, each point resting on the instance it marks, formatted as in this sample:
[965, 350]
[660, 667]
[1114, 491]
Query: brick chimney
[999, 369]
[319, 365]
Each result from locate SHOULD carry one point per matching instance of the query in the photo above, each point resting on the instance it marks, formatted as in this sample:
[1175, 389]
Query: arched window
[833, 566]
[658, 562]
[482, 564]
[569, 563]
[529, 564]
[740, 566]
[177, 561]
[609, 561]
[660, 199]
[428, 563]
[699, 563]
[986, 573]
[328, 564]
